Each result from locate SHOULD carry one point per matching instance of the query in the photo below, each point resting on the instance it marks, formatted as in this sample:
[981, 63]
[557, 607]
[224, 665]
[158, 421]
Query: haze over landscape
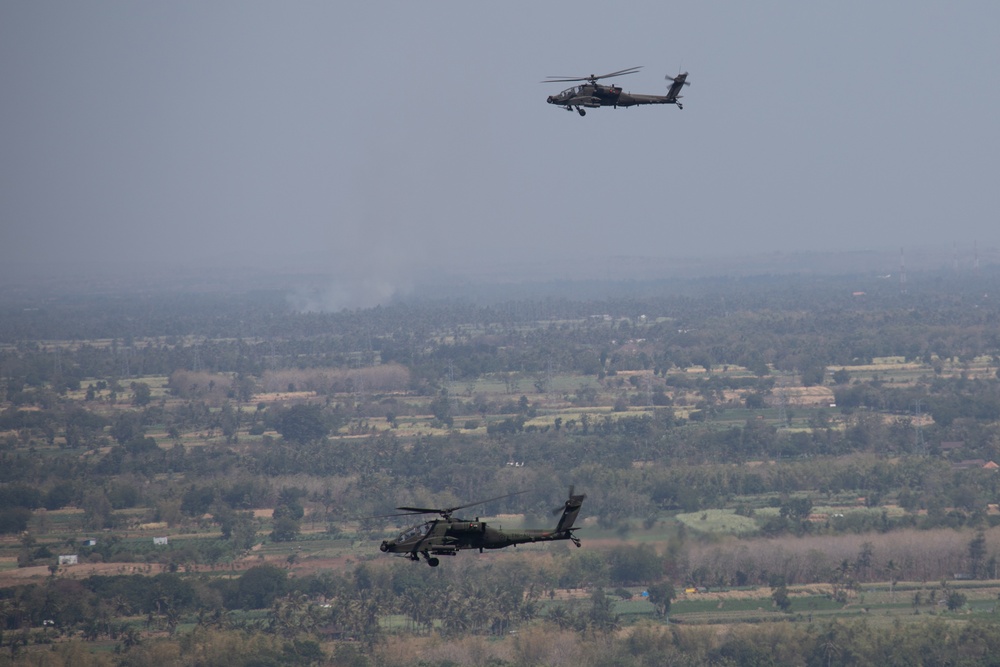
[312, 312]
[378, 144]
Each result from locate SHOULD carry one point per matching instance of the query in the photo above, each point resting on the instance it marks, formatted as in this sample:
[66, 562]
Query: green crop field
[718, 522]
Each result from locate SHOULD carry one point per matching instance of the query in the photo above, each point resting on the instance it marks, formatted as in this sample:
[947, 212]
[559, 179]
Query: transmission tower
[451, 383]
[123, 362]
[902, 272]
[272, 358]
[782, 405]
[918, 436]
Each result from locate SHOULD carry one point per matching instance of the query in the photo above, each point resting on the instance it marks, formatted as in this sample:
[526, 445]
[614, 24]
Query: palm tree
[121, 605]
[456, 610]
[602, 617]
[131, 637]
[561, 617]
[829, 648]
[292, 615]
[173, 618]
[415, 605]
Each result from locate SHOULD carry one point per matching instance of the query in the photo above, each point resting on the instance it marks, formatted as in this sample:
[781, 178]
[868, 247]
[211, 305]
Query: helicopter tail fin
[677, 83]
[569, 511]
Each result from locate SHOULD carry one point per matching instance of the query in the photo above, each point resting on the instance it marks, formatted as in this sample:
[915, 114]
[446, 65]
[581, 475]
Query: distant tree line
[800, 326]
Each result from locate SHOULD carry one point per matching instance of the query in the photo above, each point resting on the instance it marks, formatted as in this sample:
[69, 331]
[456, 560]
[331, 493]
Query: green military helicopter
[449, 535]
[593, 95]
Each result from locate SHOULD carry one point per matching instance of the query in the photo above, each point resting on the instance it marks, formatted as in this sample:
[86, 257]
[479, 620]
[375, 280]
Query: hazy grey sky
[383, 138]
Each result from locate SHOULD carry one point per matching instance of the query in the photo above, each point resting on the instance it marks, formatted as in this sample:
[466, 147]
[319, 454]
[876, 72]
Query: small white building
[160, 541]
[70, 559]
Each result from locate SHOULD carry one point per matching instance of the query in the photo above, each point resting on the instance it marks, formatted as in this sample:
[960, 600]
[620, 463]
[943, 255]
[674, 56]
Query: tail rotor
[570, 509]
[679, 78]
[566, 505]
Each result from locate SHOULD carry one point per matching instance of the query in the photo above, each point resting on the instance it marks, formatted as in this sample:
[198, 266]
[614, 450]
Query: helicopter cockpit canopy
[567, 94]
[416, 531]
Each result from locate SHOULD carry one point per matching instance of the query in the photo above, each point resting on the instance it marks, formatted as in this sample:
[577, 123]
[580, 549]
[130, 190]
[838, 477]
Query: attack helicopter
[448, 535]
[592, 94]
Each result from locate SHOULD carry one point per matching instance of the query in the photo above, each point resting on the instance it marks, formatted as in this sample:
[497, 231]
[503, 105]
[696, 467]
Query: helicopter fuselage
[592, 95]
[449, 535]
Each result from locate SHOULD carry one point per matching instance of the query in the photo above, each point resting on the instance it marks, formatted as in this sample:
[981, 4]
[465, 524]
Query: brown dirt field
[15, 576]
[762, 592]
[572, 594]
[314, 565]
[38, 573]
[275, 396]
[809, 395]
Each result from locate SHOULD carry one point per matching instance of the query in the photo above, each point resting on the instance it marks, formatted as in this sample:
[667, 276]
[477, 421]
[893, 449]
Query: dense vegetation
[836, 427]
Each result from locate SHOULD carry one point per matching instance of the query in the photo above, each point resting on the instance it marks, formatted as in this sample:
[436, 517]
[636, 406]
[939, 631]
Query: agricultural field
[790, 463]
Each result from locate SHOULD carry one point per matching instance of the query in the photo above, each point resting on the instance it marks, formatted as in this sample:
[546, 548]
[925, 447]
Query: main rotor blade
[482, 502]
[592, 77]
[621, 72]
[553, 79]
[413, 512]
[446, 511]
[417, 510]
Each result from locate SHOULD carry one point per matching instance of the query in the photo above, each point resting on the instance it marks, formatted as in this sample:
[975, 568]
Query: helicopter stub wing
[589, 101]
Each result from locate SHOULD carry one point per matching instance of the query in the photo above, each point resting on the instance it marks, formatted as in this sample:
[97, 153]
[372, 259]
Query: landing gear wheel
[433, 562]
[582, 112]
